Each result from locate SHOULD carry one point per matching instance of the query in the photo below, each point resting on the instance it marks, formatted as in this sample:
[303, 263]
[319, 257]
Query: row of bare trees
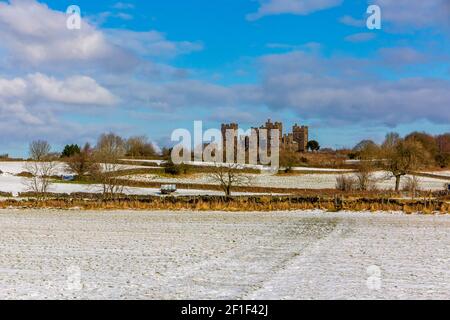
[102, 162]
[99, 163]
[397, 156]
[437, 147]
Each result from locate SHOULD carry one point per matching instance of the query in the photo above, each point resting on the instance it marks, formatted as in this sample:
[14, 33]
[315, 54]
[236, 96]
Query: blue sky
[149, 67]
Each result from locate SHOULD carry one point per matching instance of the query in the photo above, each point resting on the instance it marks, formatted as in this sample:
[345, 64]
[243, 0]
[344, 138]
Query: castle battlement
[295, 140]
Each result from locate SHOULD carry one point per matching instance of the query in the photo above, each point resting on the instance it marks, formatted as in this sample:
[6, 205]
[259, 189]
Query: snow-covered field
[440, 173]
[15, 185]
[156, 162]
[15, 167]
[9, 182]
[244, 166]
[302, 181]
[260, 167]
[187, 255]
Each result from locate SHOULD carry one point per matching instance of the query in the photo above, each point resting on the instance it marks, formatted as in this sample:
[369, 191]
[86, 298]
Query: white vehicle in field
[168, 188]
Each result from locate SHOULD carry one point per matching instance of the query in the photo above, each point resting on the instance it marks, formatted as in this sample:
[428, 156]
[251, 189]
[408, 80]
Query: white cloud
[409, 15]
[170, 96]
[17, 113]
[404, 15]
[353, 22]
[317, 87]
[336, 89]
[100, 18]
[360, 37]
[123, 6]
[77, 90]
[151, 43]
[240, 115]
[312, 46]
[30, 100]
[35, 36]
[401, 56]
[12, 88]
[298, 7]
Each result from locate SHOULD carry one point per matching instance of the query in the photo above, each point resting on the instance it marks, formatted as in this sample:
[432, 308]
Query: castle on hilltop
[296, 140]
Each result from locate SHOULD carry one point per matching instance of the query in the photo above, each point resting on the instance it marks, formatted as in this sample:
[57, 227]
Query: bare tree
[229, 176]
[42, 177]
[83, 163]
[412, 185]
[364, 178]
[368, 152]
[109, 149]
[111, 184]
[139, 146]
[39, 149]
[42, 169]
[345, 183]
[403, 157]
[111, 145]
[391, 140]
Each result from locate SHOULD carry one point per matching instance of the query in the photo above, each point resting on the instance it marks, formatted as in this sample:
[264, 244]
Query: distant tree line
[435, 148]
[402, 156]
[98, 162]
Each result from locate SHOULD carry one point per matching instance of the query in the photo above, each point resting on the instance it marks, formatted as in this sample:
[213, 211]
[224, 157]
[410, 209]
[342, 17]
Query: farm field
[440, 173]
[16, 185]
[9, 182]
[300, 181]
[191, 255]
[15, 167]
[312, 178]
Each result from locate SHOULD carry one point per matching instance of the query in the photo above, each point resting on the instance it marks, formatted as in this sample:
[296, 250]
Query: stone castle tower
[229, 126]
[300, 136]
[224, 128]
[273, 126]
